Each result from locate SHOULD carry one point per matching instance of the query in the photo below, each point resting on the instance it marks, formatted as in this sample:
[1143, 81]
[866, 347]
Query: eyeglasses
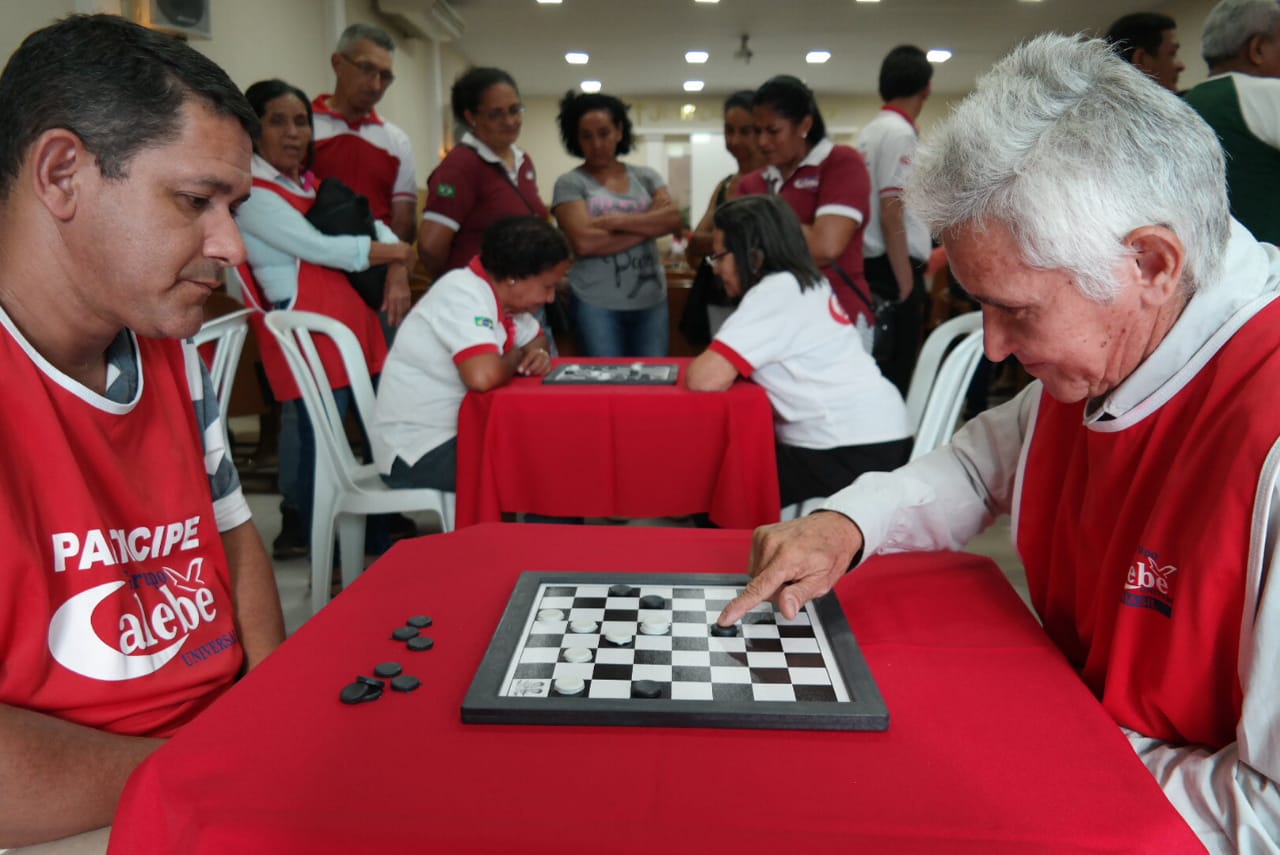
[714, 258]
[368, 69]
[512, 112]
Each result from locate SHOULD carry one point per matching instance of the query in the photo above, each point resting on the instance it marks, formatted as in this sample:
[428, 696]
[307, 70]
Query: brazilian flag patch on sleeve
[482, 321]
[445, 190]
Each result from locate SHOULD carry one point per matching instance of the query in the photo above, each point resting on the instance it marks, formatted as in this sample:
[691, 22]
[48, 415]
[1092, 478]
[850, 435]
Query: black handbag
[882, 310]
[339, 210]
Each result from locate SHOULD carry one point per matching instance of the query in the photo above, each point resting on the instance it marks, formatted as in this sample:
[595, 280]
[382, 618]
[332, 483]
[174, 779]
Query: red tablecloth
[994, 745]
[627, 451]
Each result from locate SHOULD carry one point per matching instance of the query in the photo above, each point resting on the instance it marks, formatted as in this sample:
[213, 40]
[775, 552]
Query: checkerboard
[801, 673]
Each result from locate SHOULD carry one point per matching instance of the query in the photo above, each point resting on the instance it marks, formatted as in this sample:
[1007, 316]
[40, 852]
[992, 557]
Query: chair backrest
[935, 348]
[942, 410]
[227, 334]
[296, 333]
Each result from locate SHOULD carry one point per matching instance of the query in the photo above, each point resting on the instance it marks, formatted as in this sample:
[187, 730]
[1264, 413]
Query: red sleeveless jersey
[116, 610]
[1136, 541]
[326, 291]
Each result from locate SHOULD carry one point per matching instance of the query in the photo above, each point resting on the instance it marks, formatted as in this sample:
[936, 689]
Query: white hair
[365, 32]
[1232, 23]
[1072, 148]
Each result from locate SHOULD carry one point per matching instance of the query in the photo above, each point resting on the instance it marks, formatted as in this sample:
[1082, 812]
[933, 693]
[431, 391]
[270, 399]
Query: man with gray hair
[369, 154]
[1084, 208]
[1241, 101]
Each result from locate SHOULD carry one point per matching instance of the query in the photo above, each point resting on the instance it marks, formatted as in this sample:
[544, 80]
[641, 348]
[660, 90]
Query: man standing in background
[353, 143]
[896, 244]
[1241, 102]
[1149, 42]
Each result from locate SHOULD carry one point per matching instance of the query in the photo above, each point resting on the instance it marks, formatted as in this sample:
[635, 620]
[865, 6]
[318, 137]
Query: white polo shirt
[421, 391]
[824, 386]
[887, 144]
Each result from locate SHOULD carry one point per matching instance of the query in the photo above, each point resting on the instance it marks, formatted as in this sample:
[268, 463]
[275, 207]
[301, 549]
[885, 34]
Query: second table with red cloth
[617, 451]
[994, 744]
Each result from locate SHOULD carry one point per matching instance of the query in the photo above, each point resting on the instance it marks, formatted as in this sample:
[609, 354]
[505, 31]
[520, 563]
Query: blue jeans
[297, 476]
[621, 332]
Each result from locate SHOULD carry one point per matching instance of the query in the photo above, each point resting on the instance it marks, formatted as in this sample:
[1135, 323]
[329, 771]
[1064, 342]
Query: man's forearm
[259, 621]
[894, 226]
[59, 778]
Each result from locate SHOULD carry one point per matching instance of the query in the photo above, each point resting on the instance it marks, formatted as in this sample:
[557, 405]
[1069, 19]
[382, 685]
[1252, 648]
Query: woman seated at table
[612, 213]
[473, 331]
[835, 415]
[292, 265]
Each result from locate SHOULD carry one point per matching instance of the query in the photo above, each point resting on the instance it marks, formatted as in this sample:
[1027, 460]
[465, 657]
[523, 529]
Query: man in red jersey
[133, 585]
[1086, 211]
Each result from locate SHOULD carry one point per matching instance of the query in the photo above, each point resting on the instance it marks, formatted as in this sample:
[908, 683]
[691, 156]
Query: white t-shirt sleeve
[893, 165]
[463, 315]
[406, 186]
[754, 331]
[1260, 106]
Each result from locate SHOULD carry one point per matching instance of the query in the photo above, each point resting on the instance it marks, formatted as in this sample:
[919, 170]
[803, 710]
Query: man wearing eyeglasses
[353, 143]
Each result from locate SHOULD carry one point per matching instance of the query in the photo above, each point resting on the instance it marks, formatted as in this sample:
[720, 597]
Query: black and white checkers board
[596, 374]
[638, 649]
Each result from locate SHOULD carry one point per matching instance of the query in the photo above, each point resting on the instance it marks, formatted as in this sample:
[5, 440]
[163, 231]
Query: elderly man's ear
[1158, 257]
[55, 163]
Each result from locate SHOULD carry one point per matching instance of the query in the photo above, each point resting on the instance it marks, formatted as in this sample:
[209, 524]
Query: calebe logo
[1149, 583]
[150, 632]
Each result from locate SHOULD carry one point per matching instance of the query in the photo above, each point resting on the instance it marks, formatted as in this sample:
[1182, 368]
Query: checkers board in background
[607, 374]
[638, 649]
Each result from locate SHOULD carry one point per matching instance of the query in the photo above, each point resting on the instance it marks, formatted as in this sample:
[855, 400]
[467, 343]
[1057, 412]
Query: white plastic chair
[930, 361]
[227, 333]
[347, 490]
[946, 397]
[936, 393]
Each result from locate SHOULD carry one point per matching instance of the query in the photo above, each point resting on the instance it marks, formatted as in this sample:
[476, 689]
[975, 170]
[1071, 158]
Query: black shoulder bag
[339, 210]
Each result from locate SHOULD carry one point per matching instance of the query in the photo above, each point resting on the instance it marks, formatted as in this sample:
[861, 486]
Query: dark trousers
[808, 473]
[903, 334]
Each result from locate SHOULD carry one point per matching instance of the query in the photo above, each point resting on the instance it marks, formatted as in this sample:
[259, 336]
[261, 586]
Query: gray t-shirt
[628, 280]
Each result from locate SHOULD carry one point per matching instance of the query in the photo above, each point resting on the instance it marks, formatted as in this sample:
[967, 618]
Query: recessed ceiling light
[817, 57]
[696, 56]
[706, 1]
[590, 85]
[693, 85]
[576, 58]
[867, 1]
[937, 55]
[549, 2]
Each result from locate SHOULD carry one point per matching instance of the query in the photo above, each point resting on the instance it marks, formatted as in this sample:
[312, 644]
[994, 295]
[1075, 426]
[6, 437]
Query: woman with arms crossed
[612, 212]
[835, 415]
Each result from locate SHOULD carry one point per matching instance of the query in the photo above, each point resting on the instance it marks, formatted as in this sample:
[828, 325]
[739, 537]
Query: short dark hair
[906, 71]
[520, 247]
[792, 100]
[764, 235]
[742, 100]
[1143, 30]
[262, 93]
[468, 90]
[117, 86]
[574, 105]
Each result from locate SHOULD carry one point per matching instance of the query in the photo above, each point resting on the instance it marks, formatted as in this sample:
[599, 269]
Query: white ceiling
[637, 46]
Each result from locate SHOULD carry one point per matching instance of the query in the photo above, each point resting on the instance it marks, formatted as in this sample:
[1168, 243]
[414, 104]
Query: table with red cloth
[994, 745]
[617, 451]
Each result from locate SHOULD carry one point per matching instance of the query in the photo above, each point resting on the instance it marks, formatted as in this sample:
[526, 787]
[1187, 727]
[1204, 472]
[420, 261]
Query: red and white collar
[816, 155]
[508, 323]
[901, 112]
[321, 105]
